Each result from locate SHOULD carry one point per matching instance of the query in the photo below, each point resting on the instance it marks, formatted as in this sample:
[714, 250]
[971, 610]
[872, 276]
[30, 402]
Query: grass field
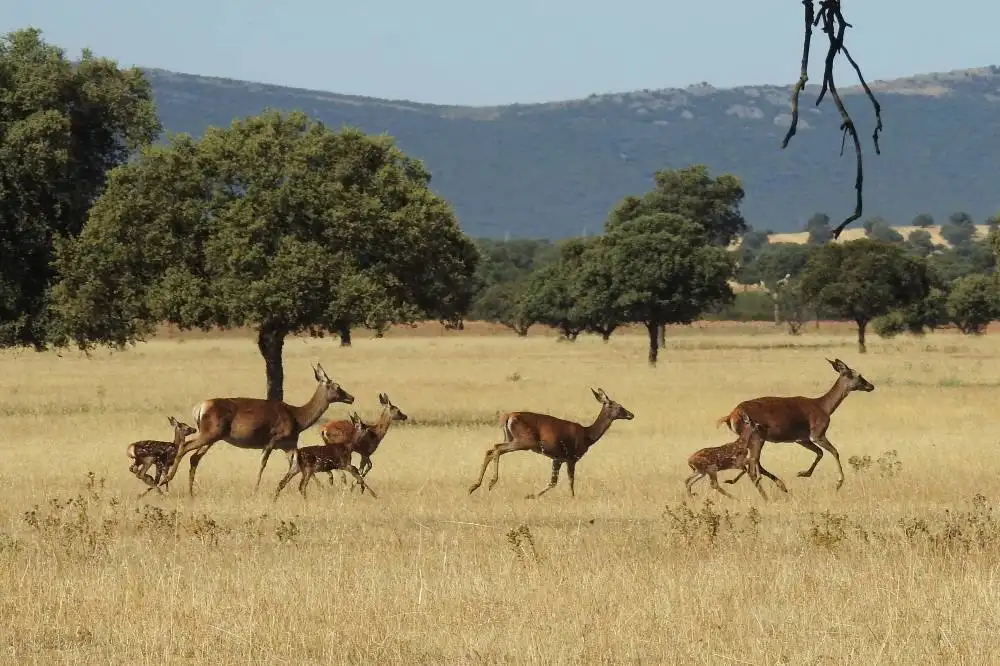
[899, 567]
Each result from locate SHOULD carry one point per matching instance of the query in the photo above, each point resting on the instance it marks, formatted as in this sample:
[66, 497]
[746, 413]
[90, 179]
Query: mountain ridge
[556, 168]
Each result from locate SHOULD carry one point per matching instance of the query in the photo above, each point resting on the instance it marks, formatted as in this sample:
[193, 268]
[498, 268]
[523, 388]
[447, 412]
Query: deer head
[855, 381]
[334, 391]
[751, 426]
[395, 413]
[361, 429]
[613, 409]
[180, 427]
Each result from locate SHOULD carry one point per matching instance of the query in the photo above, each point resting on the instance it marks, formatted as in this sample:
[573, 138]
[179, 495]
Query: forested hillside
[555, 170]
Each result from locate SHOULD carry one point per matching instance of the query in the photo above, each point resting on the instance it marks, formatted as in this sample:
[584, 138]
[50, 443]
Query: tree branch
[834, 26]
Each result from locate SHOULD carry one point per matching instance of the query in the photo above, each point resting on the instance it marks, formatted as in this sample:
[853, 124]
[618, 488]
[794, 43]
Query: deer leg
[713, 478]
[494, 453]
[556, 465]
[760, 489]
[152, 482]
[160, 469]
[360, 479]
[809, 444]
[691, 480]
[307, 474]
[482, 470]
[363, 469]
[268, 448]
[285, 479]
[760, 468]
[140, 472]
[826, 444]
[193, 445]
[571, 473]
[195, 459]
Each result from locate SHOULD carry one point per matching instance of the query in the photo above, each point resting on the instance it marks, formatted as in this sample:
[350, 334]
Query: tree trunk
[605, 335]
[655, 330]
[270, 342]
[862, 325]
[344, 330]
[662, 335]
[777, 313]
[520, 328]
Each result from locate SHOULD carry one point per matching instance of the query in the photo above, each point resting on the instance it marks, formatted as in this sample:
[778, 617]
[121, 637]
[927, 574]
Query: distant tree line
[892, 283]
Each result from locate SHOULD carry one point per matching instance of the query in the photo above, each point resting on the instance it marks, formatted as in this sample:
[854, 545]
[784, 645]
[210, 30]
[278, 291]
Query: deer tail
[728, 419]
[505, 423]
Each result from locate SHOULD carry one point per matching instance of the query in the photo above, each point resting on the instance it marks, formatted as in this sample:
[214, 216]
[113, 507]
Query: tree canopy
[864, 279]
[711, 203]
[665, 269]
[63, 126]
[277, 223]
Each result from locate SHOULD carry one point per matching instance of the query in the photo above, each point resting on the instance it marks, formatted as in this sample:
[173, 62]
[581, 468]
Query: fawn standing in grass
[734, 455]
[147, 452]
[342, 433]
[325, 458]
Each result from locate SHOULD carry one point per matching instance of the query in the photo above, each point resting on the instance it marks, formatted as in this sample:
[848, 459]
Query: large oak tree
[277, 223]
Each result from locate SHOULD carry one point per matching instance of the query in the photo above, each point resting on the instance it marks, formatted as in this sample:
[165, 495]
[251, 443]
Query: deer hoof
[805, 475]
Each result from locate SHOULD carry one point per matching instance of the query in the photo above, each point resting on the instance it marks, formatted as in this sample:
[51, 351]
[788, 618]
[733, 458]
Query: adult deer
[797, 419]
[256, 423]
[342, 433]
[562, 441]
[147, 452]
[735, 455]
[312, 459]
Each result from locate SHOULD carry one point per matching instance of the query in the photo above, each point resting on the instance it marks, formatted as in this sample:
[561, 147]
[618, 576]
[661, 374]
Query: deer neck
[600, 426]
[382, 425]
[306, 415]
[830, 400]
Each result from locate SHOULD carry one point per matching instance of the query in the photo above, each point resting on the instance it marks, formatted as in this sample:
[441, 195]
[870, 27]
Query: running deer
[562, 441]
[325, 458]
[797, 419]
[734, 455]
[148, 452]
[256, 423]
[342, 433]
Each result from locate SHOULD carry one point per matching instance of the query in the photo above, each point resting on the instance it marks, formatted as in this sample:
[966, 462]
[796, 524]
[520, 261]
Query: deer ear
[597, 396]
[320, 373]
[383, 398]
[172, 421]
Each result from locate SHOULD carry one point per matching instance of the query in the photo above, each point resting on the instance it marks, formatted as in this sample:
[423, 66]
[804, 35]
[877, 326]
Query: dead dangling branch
[834, 26]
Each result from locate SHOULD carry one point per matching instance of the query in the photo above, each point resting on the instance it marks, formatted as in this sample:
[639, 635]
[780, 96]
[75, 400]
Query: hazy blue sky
[468, 52]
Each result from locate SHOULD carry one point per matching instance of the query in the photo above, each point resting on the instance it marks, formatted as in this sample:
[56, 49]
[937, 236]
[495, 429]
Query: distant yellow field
[852, 233]
[856, 232]
[898, 567]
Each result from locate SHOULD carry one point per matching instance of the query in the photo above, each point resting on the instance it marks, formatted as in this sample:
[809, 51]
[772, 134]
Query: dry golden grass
[898, 567]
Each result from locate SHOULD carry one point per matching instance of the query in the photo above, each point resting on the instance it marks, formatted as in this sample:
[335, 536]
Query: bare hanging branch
[834, 26]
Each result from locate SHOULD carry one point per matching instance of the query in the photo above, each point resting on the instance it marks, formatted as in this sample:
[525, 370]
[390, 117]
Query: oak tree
[63, 126]
[276, 223]
[863, 279]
